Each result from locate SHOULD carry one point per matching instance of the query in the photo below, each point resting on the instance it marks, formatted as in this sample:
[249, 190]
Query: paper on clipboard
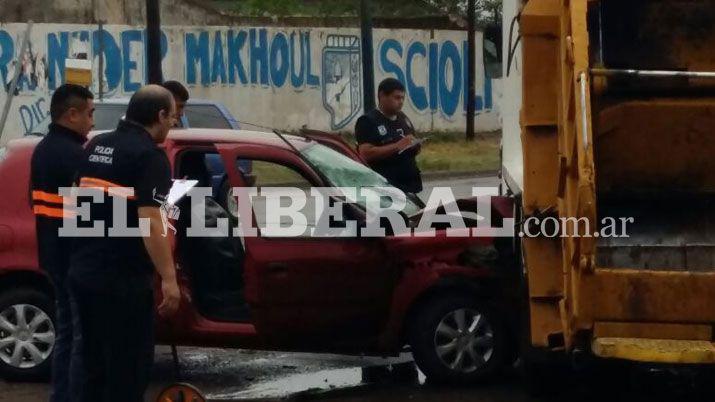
[415, 143]
[179, 189]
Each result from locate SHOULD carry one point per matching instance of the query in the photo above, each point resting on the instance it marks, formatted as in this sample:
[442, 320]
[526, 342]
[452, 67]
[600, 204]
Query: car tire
[438, 339]
[32, 304]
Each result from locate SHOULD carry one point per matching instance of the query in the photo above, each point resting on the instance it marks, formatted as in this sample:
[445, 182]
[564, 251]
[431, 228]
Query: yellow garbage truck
[609, 147]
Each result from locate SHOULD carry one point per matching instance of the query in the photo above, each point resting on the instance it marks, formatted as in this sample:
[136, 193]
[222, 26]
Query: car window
[342, 171]
[272, 179]
[205, 116]
[106, 117]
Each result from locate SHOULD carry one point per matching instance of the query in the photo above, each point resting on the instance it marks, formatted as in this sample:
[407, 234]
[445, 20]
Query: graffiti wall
[279, 77]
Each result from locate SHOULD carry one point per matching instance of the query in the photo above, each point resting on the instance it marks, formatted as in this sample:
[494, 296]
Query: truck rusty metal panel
[617, 112]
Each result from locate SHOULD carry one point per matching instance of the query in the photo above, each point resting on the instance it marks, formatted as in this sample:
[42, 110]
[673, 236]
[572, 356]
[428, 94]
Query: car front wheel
[457, 339]
[27, 335]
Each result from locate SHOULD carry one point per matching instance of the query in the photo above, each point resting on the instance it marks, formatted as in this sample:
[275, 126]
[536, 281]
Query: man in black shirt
[111, 275]
[54, 165]
[384, 136]
[181, 96]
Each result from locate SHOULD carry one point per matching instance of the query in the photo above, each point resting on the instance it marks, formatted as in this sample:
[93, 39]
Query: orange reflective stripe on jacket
[38, 195]
[53, 212]
[107, 186]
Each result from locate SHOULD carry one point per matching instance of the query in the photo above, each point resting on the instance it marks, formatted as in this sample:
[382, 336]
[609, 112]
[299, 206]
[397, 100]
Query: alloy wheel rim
[464, 340]
[27, 336]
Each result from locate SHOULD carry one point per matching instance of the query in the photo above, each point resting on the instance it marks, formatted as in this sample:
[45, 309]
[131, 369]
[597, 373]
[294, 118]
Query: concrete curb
[447, 174]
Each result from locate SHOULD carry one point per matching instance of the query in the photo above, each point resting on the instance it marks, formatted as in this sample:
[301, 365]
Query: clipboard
[415, 143]
[179, 188]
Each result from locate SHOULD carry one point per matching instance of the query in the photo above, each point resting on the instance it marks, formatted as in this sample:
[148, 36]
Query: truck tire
[27, 334]
[458, 339]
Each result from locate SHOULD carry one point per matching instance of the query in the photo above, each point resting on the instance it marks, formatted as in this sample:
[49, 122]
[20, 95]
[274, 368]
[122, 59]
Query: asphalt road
[461, 187]
[239, 375]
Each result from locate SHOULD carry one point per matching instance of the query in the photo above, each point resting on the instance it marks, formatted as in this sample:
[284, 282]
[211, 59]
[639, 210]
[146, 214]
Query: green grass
[452, 152]
[272, 174]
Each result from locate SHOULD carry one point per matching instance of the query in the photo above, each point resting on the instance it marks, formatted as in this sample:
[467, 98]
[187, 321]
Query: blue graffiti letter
[280, 63]
[112, 58]
[297, 79]
[433, 71]
[449, 97]
[57, 52]
[26, 116]
[418, 95]
[259, 55]
[235, 65]
[312, 79]
[7, 52]
[478, 104]
[218, 69]
[197, 50]
[128, 64]
[164, 47]
[388, 66]
[488, 97]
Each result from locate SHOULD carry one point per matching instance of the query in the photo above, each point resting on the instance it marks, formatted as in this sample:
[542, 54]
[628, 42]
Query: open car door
[318, 293]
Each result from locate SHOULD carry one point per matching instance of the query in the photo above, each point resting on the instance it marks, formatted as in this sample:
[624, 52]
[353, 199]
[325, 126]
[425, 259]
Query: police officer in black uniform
[54, 165]
[384, 132]
[111, 276]
[181, 97]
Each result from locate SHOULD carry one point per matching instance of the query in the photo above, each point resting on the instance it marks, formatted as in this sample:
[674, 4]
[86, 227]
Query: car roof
[201, 136]
[212, 135]
[124, 101]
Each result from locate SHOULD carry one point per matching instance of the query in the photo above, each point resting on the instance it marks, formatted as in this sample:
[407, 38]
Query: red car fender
[503, 206]
[417, 281]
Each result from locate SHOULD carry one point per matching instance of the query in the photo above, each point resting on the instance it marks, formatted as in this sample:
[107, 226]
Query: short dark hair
[66, 97]
[390, 85]
[146, 103]
[177, 89]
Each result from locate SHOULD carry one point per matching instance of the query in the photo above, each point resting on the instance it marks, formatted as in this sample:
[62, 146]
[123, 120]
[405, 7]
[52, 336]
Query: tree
[488, 11]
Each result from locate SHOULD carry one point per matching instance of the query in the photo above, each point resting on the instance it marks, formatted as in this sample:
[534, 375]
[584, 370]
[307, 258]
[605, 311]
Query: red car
[445, 298]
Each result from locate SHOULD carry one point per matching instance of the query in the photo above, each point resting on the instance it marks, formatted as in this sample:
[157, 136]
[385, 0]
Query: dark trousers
[66, 358]
[117, 342]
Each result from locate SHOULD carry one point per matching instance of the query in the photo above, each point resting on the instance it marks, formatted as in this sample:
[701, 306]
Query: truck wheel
[27, 335]
[457, 339]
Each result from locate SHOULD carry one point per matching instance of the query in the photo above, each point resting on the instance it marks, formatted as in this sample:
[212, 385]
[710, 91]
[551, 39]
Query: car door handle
[277, 268]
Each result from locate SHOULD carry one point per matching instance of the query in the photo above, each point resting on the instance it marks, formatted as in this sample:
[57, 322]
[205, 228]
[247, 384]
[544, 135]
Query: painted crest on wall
[342, 79]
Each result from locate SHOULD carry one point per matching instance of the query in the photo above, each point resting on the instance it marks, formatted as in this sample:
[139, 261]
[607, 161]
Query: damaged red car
[446, 299]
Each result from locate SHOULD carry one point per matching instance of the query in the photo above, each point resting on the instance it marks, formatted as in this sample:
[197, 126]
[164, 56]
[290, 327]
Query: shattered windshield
[341, 171]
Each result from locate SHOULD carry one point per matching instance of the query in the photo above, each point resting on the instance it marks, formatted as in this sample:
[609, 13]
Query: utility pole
[368, 75]
[153, 42]
[100, 70]
[471, 67]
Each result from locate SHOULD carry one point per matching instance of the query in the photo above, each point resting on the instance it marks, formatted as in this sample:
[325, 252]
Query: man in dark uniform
[384, 136]
[181, 96]
[111, 276]
[54, 165]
